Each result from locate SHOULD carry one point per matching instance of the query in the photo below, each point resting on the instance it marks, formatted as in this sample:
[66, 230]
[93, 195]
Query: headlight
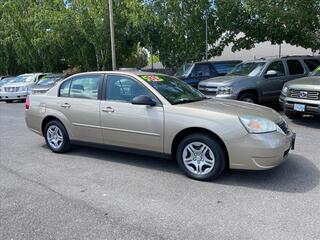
[224, 90]
[285, 90]
[255, 124]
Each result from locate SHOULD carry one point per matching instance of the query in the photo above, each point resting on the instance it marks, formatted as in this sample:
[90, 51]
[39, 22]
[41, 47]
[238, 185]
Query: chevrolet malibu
[160, 115]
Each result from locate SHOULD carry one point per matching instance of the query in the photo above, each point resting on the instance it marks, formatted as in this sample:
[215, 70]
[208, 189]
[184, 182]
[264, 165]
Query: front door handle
[108, 109]
[65, 105]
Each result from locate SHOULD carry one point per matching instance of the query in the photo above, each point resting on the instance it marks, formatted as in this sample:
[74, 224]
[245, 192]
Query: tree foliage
[53, 35]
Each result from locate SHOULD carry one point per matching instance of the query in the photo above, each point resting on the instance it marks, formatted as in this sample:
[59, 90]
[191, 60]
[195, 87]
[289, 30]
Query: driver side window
[124, 89]
[278, 67]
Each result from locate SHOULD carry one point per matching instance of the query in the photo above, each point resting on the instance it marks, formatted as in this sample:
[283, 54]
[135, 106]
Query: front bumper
[260, 151]
[21, 95]
[311, 106]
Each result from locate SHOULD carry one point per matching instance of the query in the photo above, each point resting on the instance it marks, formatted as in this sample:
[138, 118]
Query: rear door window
[223, 68]
[201, 70]
[295, 67]
[312, 63]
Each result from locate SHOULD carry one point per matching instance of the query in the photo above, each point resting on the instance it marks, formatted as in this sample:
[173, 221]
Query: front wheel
[248, 97]
[201, 157]
[57, 137]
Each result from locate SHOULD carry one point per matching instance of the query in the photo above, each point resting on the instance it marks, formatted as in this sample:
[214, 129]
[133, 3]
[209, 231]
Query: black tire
[292, 114]
[65, 146]
[214, 145]
[248, 97]
[9, 101]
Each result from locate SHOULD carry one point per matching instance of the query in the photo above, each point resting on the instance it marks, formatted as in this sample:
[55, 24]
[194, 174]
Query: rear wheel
[57, 137]
[248, 97]
[292, 115]
[201, 157]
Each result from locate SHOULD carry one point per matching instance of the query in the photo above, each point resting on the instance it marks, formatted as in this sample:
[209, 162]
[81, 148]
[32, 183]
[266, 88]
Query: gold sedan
[157, 114]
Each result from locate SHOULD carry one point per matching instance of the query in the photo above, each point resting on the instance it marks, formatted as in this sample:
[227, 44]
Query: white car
[19, 87]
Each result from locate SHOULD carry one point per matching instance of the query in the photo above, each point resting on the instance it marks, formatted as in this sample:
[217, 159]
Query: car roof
[133, 72]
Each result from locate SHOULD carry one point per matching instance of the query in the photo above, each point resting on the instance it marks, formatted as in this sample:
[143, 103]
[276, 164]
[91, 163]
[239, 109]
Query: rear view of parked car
[193, 73]
[302, 96]
[19, 88]
[260, 80]
[46, 82]
[161, 115]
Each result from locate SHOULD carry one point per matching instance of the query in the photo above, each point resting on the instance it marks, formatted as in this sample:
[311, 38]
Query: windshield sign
[247, 69]
[174, 90]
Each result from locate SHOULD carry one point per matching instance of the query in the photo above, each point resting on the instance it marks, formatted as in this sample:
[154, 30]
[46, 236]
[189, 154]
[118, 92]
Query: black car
[193, 73]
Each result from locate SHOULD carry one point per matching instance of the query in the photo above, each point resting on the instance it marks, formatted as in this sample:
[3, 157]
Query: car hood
[223, 80]
[306, 83]
[15, 85]
[235, 108]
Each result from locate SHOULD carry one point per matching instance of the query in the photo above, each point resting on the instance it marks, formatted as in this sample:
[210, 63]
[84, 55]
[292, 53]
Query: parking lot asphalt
[97, 194]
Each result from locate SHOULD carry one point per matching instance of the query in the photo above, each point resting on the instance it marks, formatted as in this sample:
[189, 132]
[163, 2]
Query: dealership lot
[97, 194]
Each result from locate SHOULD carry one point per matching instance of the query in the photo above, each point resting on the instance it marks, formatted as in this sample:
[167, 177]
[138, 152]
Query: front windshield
[247, 69]
[23, 79]
[316, 72]
[172, 89]
[48, 81]
[6, 80]
[184, 70]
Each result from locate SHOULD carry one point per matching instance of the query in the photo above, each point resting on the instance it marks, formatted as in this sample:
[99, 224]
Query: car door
[200, 72]
[127, 125]
[271, 86]
[79, 102]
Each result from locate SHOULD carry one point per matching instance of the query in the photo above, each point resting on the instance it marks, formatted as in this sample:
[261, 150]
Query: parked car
[302, 96]
[46, 82]
[159, 114]
[260, 80]
[18, 88]
[193, 73]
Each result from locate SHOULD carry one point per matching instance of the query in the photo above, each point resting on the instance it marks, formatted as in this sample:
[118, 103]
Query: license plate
[299, 107]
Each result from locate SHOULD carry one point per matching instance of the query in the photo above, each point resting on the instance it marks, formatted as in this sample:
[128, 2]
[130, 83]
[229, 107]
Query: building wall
[265, 49]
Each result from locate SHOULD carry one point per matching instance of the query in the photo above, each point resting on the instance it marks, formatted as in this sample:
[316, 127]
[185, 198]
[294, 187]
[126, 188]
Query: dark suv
[193, 73]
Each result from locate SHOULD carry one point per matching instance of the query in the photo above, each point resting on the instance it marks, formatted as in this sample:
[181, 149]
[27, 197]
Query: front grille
[284, 127]
[301, 94]
[208, 90]
[11, 89]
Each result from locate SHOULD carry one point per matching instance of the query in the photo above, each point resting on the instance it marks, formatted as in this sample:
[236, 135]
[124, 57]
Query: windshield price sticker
[151, 78]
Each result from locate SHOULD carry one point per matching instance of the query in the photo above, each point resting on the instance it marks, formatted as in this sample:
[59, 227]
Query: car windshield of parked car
[174, 90]
[247, 69]
[316, 72]
[23, 78]
[6, 80]
[184, 70]
[45, 81]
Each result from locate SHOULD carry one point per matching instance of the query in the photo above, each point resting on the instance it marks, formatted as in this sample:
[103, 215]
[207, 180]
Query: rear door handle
[108, 109]
[65, 105]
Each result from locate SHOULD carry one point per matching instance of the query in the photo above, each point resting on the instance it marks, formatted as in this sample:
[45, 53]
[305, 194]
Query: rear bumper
[13, 95]
[312, 106]
[261, 151]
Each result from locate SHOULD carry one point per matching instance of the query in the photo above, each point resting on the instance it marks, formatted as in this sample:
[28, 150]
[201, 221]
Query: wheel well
[252, 91]
[192, 130]
[46, 120]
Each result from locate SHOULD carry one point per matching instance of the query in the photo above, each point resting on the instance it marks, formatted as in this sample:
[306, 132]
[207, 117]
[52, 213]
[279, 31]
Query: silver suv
[259, 80]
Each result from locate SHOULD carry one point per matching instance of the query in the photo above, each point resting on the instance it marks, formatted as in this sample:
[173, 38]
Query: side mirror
[143, 100]
[271, 73]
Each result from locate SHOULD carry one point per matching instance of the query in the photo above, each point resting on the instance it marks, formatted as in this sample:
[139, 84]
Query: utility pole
[113, 49]
[279, 50]
[206, 16]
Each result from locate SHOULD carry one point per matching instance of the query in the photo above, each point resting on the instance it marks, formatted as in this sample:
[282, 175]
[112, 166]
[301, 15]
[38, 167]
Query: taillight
[27, 103]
